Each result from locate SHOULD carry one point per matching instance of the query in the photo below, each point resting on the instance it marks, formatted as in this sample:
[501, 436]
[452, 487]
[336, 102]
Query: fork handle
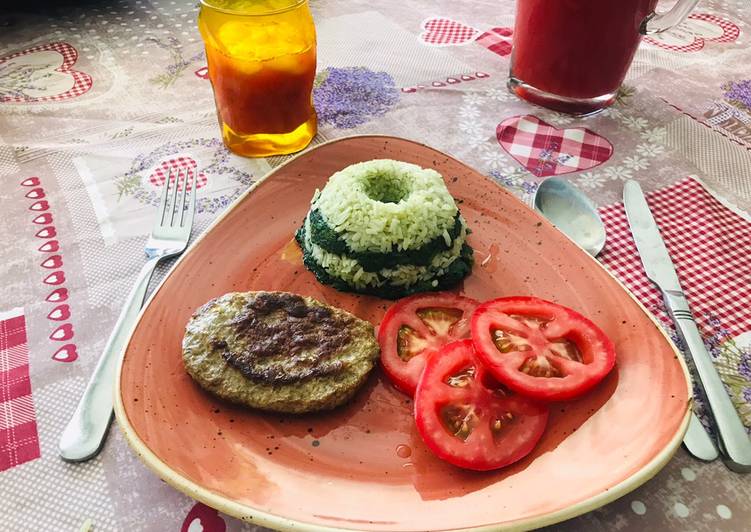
[85, 433]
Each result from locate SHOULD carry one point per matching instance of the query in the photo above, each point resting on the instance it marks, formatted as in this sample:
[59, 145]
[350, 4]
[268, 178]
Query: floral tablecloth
[95, 96]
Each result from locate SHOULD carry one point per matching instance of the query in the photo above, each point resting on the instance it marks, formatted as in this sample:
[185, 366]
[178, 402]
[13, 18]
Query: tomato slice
[467, 418]
[541, 349]
[415, 328]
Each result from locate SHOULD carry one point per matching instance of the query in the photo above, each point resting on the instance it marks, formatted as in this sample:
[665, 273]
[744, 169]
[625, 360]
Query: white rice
[385, 205]
[350, 271]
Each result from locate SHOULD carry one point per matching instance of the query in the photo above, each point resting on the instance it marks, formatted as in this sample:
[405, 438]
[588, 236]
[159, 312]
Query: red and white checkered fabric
[546, 150]
[19, 441]
[177, 166]
[730, 33]
[82, 82]
[709, 244]
[497, 40]
[440, 31]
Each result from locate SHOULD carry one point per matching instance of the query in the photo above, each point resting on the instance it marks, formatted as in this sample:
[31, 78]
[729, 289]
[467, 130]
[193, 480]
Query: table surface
[132, 92]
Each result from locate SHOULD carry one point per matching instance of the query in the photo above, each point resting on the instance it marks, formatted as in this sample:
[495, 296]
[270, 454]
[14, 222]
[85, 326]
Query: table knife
[732, 439]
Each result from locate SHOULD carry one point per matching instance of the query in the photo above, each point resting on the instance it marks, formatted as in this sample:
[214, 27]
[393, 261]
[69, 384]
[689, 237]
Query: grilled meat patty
[278, 351]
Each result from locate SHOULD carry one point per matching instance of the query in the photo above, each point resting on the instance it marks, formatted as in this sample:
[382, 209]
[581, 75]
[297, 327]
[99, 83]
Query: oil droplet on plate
[403, 451]
[490, 261]
[291, 252]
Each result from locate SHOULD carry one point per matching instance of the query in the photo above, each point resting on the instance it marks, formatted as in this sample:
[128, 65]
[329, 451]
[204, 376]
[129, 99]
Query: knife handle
[733, 440]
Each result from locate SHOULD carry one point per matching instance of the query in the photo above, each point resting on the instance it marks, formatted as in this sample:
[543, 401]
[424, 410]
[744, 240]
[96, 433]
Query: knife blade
[733, 441]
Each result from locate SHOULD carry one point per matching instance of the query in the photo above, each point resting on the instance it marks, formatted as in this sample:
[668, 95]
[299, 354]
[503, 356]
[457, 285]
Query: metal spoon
[571, 211]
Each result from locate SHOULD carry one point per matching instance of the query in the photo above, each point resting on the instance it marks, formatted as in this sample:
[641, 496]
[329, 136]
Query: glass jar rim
[293, 4]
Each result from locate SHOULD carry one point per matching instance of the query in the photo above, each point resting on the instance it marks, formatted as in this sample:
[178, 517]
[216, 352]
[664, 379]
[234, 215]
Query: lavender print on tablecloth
[349, 97]
[213, 161]
[738, 93]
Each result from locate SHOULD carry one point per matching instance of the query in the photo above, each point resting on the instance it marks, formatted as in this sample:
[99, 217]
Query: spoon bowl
[571, 211]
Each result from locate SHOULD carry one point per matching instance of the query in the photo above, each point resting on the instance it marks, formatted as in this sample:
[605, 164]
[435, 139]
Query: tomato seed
[507, 342]
[459, 420]
[409, 343]
[540, 366]
[565, 348]
[440, 320]
[462, 379]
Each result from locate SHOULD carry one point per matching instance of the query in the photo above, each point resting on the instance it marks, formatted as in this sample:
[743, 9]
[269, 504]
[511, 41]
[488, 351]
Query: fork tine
[163, 200]
[171, 220]
[188, 218]
[182, 197]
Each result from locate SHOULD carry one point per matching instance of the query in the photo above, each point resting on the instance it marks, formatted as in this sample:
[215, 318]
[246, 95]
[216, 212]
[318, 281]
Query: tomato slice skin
[505, 427]
[541, 349]
[405, 373]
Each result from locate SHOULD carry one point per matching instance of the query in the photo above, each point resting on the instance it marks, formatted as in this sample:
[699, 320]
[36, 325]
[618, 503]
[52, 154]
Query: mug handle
[657, 23]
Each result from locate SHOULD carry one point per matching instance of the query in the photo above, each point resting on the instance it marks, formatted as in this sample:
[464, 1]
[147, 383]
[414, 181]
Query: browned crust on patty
[278, 351]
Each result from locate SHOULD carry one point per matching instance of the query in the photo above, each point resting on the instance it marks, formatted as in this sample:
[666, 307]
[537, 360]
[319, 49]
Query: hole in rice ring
[385, 205]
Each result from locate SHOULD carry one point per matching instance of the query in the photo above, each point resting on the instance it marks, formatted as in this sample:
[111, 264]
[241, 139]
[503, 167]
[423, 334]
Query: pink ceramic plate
[364, 466]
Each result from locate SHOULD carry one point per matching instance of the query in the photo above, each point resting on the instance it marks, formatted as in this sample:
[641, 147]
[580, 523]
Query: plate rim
[278, 522]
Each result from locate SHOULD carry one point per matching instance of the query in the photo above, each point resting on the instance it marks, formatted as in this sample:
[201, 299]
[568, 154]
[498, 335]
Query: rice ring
[385, 205]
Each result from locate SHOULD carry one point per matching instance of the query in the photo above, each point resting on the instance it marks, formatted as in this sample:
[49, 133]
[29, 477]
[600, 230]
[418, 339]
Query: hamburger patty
[278, 351]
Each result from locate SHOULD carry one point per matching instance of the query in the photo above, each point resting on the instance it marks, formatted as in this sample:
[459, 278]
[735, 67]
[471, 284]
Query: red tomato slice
[467, 418]
[540, 349]
[416, 327]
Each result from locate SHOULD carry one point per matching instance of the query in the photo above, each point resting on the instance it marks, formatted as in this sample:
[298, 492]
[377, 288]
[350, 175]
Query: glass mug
[262, 63]
[572, 55]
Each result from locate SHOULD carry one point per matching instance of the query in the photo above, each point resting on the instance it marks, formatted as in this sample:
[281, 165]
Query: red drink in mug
[572, 55]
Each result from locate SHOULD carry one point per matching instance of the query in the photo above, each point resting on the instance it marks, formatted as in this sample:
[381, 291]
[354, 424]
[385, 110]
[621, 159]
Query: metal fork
[85, 433]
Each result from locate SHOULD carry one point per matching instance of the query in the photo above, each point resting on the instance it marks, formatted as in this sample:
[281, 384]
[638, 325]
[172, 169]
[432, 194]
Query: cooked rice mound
[386, 228]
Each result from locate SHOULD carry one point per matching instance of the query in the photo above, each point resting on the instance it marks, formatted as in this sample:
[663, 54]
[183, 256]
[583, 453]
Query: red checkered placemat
[709, 244]
[19, 441]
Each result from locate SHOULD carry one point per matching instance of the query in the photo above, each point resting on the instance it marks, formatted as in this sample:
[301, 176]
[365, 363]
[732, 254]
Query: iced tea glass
[262, 63]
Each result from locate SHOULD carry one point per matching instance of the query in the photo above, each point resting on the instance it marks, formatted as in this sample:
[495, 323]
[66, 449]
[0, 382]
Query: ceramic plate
[364, 466]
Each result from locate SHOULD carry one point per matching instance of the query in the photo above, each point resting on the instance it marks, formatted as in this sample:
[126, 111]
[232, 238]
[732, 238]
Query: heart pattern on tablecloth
[62, 333]
[59, 313]
[59, 294]
[442, 31]
[50, 246]
[202, 518]
[43, 219]
[545, 150]
[67, 353]
[451, 80]
[42, 73]
[693, 33]
[35, 193]
[497, 40]
[55, 278]
[178, 165]
[53, 262]
[41, 205]
[46, 232]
